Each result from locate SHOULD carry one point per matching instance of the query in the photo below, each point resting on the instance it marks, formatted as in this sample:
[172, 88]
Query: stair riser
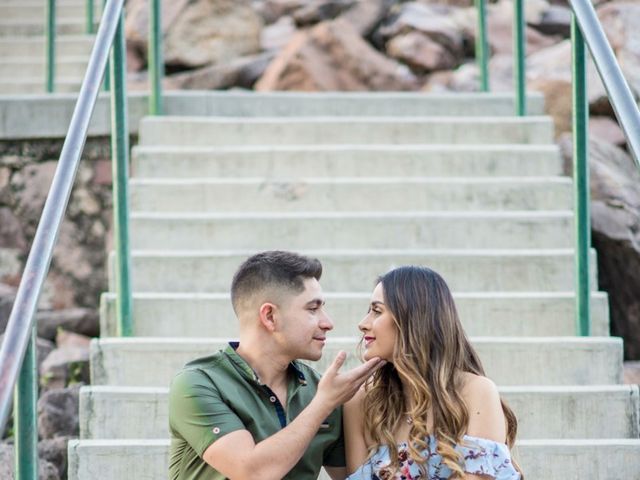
[198, 132]
[31, 12]
[28, 48]
[356, 273]
[170, 234]
[567, 414]
[74, 26]
[317, 161]
[518, 317]
[374, 196]
[12, 70]
[507, 363]
[10, 88]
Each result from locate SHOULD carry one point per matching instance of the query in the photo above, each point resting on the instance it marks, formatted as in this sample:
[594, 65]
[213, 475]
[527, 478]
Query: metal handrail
[482, 46]
[20, 329]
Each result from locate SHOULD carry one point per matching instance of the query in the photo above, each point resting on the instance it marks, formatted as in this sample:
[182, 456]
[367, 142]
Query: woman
[429, 413]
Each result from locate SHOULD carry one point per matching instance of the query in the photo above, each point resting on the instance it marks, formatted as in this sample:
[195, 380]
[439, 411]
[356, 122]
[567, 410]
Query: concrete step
[34, 47]
[37, 85]
[320, 161]
[30, 10]
[12, 68]
[152, 362]
[546, 459]
[198, 131]
[509, 314]
[373, 194]
[29, 27]
[361, 104]
[569, 412]
[355, 270]
[512, 230]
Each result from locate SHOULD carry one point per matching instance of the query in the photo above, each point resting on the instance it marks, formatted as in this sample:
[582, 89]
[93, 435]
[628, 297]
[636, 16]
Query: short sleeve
[486, 457]
[335, 455]
[197, 413]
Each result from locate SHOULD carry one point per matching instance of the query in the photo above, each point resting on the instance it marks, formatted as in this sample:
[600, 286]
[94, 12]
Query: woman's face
[378, 328]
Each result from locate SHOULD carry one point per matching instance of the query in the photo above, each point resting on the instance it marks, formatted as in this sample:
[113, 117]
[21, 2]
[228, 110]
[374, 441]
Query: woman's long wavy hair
[430, 352]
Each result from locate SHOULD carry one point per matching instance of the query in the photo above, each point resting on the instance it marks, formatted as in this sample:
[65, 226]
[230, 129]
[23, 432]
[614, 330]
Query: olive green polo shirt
[219, 394]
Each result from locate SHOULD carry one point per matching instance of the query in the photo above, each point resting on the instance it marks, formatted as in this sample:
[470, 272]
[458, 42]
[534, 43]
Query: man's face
[302, 322]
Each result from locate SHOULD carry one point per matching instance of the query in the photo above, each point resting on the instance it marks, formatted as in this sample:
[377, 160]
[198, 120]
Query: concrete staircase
[22, 45]
[365, 182]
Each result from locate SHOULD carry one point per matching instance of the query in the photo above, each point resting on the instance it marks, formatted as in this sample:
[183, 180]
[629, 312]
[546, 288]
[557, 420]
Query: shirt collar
[250, 373]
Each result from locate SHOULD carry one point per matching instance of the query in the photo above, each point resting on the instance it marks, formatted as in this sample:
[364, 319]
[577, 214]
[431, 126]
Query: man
[252, 411]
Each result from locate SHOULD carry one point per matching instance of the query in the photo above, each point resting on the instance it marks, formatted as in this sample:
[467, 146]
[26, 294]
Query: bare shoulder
[486, 417]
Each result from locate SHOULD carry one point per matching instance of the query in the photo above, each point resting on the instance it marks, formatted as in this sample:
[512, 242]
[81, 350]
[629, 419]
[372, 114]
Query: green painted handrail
[482, 46]
[156, 62]
[519, 49]
[50, 46]
[18, 376]
[581, 181]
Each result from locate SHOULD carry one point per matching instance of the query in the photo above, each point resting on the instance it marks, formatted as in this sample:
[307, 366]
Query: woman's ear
[267, 315]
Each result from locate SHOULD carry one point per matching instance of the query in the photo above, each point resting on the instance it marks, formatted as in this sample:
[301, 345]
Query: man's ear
[267, 315]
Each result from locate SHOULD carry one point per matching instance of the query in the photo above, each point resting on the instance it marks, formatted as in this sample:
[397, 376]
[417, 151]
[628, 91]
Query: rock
[365, 15]
[78, 320]
[6, 195]
[556, 20]
[11, 234]
[54, 451]
[241, 72]
[69, 255]
[7, 296]
[65, 365]
[631, 373]
[606, 129]
[32, 185]
[58, 413]
[620, 23]
[277, 35]
[46, 470]
[332, 57]
[315, 11]
[43, 348]
[432, 20]
[65, 339]
[102, 172]
[420, 52]
[10, 265]
[554, 63]
[615, 224]
[557, 101]
[198, 32]
[272, 10]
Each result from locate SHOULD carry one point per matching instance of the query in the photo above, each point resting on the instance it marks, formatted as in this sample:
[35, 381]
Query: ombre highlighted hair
[431, 351]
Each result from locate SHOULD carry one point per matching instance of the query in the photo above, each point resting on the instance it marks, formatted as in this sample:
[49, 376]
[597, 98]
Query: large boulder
[331, 57]
[197, 32]
[615, 224]
[68, 363]
[46, 469]
[85, 321]
[58, 413]
[54, 451]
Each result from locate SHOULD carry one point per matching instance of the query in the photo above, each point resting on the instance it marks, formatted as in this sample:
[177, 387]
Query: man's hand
[336, 388]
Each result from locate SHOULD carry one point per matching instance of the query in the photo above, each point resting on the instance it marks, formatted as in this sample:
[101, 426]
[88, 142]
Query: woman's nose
[363, 326]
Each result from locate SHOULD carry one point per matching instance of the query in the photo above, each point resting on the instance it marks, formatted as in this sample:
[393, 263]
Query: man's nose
[326, 323]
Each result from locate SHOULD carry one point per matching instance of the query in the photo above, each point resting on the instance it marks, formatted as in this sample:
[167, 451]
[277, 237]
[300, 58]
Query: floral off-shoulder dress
[481, 457]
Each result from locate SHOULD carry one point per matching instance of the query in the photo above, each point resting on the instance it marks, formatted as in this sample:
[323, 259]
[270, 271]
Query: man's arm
[238, 457]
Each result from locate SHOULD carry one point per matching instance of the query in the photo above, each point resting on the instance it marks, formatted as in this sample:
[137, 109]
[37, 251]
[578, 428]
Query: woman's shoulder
[482, 399]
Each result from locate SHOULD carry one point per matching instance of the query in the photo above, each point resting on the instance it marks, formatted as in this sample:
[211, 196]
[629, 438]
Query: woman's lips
[368, 341]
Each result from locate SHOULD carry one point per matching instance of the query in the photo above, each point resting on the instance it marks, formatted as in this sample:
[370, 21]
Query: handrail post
[519, 60]
[51, 46]
[107, 73]
[120, 150]
[25, 416]
[156, 62]
[482, 46]
[90, 16]
[581, 181]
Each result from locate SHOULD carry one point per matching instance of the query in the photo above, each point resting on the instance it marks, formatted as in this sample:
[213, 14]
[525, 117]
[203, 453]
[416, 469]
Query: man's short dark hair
[275, 268]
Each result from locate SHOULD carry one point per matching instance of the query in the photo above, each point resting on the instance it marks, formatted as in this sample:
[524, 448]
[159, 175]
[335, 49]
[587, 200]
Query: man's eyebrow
[316, 301]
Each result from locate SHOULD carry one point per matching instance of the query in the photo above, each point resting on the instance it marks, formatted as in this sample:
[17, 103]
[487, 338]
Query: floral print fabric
[481, 457]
